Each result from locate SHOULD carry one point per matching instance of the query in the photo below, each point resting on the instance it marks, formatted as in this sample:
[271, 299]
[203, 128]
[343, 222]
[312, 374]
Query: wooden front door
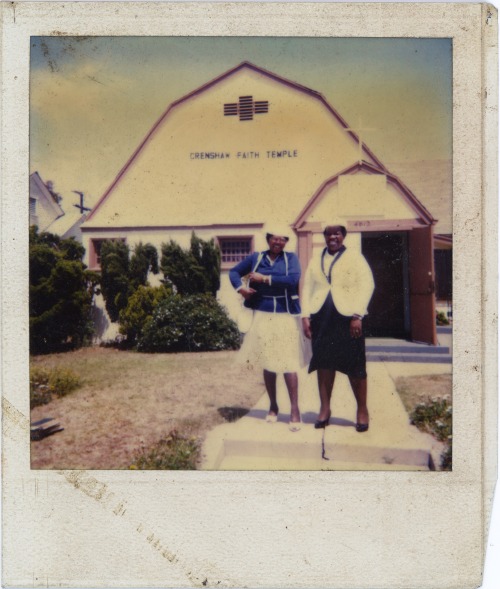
[388, 312]
[422, 286]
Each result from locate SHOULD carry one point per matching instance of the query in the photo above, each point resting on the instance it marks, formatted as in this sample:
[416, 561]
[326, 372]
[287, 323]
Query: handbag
[245, 319]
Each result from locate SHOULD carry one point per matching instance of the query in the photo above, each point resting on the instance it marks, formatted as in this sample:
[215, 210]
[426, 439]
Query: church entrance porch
[403, 306]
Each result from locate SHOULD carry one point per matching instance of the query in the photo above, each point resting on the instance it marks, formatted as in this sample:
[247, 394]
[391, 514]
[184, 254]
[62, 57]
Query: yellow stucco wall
[361, 196]
[171, 183]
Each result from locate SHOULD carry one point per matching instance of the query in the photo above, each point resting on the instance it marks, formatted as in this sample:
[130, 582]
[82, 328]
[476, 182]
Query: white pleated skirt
[275, 342]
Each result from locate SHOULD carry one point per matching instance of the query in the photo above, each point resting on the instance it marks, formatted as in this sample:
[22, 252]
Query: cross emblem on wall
[246, 107]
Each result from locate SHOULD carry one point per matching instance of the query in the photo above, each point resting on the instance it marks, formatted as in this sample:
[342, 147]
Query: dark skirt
[333, 347]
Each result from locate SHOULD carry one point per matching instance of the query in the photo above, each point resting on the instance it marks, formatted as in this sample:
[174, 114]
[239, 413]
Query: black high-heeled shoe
[322, 423]
[362, 427]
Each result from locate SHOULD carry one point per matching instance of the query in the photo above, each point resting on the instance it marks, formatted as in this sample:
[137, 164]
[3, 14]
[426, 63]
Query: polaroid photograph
[249, 260]
[155, 309]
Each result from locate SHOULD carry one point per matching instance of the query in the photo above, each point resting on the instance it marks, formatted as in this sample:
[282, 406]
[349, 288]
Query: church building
[251, 147]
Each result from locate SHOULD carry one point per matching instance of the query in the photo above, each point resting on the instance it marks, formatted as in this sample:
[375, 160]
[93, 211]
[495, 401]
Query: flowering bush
[195, 323]
[434, 416]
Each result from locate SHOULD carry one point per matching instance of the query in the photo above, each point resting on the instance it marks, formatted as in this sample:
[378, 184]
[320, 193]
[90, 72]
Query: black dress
[332, 345]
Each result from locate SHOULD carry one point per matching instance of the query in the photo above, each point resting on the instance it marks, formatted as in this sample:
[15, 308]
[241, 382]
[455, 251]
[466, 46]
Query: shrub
[175, 452]
[44, 383]
[139, 310]
[446, 457]
[194, 323]
[434, 416]
[61, 292]
[441, 319]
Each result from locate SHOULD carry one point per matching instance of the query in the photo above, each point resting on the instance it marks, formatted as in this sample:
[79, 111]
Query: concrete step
[394, 350]
[275, 463]
[310, 448]
[444, 329]
[382, 356]
[406, 348]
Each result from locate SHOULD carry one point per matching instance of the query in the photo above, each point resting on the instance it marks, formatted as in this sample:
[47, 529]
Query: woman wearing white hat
[274, 339]
[337, 289]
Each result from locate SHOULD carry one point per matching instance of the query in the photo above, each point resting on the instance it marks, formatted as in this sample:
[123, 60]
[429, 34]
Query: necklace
[336, 257]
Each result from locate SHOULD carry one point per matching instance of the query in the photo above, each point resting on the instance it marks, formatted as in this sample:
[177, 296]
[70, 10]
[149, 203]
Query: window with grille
[234, 249]
[95, 251]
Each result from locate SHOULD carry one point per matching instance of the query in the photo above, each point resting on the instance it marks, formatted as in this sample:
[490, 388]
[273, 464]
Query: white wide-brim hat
[335, 222]
[280, 229]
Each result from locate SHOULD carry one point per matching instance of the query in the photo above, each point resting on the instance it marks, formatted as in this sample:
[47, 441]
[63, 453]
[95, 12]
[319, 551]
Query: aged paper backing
[262, 529]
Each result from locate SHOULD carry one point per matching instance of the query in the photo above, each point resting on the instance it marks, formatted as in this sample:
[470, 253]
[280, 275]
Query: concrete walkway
[391, 443]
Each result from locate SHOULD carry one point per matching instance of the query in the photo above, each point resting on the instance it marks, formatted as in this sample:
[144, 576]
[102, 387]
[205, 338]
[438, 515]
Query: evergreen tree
[207, 255]
[61, 291]
[115, 283]
[122, 273]
[193, 271]
[143, 260]
[181, 270]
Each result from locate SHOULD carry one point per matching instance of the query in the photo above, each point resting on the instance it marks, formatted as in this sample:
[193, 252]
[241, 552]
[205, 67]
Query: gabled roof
[68, 226]
[50, 198]
[408, 195]
[208, 85]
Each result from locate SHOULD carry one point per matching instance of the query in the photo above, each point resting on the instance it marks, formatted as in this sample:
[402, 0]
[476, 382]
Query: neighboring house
[251, 147]
[44, 204]
[68, 226]
[47, 213]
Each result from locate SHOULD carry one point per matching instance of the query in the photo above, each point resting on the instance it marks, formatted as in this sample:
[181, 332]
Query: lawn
[129, 401]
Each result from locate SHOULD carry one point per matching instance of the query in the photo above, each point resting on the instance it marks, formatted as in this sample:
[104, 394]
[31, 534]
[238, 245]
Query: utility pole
[80, 206]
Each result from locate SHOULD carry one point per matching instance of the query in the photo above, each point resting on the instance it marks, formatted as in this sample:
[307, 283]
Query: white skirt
[275, 342]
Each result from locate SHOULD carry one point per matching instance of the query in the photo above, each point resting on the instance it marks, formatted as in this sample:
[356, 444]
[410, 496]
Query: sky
[93, 99]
